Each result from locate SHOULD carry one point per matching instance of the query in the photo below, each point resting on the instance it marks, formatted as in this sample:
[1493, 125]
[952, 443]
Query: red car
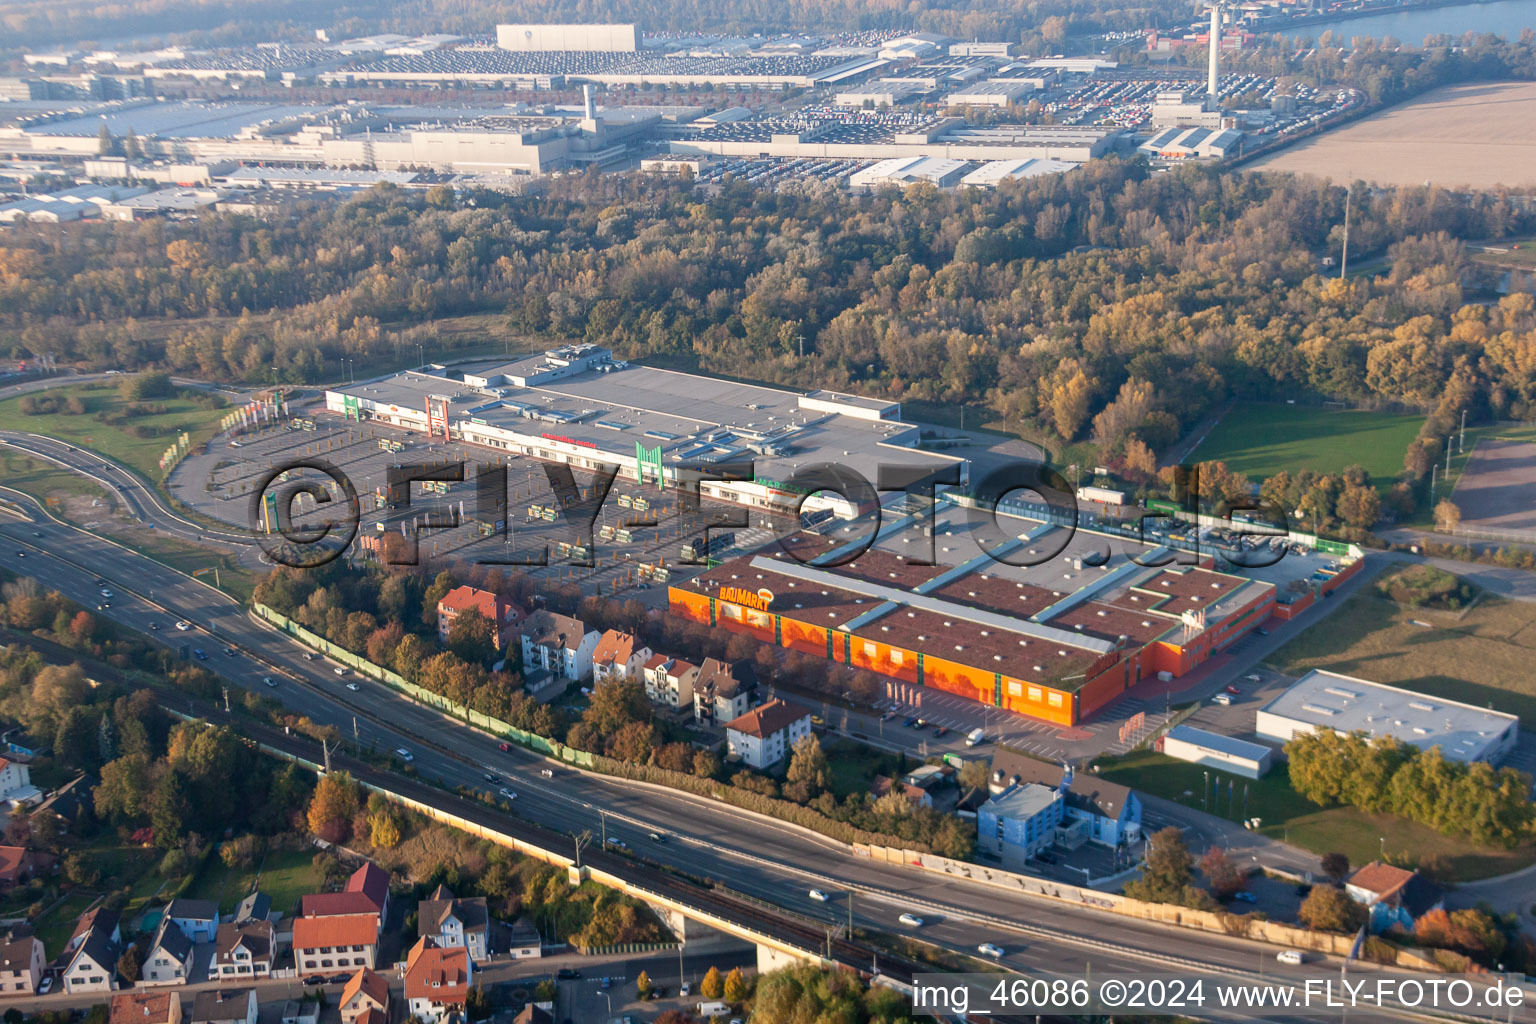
[1233, 690]
[503, 746]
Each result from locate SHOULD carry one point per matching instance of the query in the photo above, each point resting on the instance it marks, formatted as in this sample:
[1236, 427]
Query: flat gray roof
[1346, 704]
[1021, 802]
[1229, 745]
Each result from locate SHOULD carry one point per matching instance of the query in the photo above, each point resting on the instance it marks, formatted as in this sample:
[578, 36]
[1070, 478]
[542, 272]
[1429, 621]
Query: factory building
[1345, 704]
[909, 169]
[994, 172]
[881, 94]
[1193, 144]
[944, 138]
[998, 92]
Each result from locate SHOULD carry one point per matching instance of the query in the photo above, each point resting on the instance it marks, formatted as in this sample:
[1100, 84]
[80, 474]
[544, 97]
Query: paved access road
[768, 860]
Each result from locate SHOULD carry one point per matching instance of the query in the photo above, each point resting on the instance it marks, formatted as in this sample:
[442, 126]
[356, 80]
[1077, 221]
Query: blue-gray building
[1017, 823]
[1109, 813]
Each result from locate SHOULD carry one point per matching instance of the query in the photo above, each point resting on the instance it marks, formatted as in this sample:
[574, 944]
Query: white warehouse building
[1213, 750]
[1345, 704]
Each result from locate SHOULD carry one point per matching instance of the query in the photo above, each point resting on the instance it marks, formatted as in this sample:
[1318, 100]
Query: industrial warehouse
[1056, 640]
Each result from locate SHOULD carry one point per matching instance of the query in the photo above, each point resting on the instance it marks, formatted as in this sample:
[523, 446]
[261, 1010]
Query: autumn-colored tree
[713, 986]
[1069, 397]
[333, 806]
[735, 986]
[1359, 506]
[1448, 515]
[1222, 876]
[1336, 866]
[1328, 909]
[1140, 461]
[643, 985]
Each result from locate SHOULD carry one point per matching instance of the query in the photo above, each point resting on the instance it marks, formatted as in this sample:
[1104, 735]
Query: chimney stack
[1212, 83]
[591, 108]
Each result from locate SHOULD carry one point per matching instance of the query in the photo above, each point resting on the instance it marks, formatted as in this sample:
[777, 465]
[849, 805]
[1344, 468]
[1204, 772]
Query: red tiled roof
[336, 930]
[141, 1008]
[372, 881]
[370, 983]
[461, 599]
[1381, 879]
[13, 861]
[437, 974]
[614, 647]
[770, 718]
[333, 904]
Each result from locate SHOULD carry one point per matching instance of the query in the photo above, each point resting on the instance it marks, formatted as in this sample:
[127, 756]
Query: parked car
[909, 723]
[315, 979]
[1234, 691]
[940, 732]
[403, 754]
[1245, 897]
[45, 985]
[818, 895]
[567, 973]
[1221, 698]
[200, 654]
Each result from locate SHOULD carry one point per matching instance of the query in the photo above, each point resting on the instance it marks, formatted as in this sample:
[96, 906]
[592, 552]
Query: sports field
[1261, 440]
[1477, 135]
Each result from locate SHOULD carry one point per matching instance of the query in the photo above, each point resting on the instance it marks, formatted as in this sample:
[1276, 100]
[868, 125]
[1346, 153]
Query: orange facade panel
[886, 659]
[689, 605]
[1038, 701]
[802, 636]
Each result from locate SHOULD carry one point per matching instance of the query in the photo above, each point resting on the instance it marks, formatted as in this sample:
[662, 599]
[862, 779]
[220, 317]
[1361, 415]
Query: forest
[1109, 303]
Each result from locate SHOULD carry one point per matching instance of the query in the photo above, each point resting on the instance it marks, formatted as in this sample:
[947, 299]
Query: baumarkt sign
[756, 600]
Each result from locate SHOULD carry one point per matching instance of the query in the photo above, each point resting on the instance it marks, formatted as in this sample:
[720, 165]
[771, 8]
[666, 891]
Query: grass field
[284, 875]
[1288, 816]
[116, 441]
[1471, 135]
[1482, 656]
[1261, 440]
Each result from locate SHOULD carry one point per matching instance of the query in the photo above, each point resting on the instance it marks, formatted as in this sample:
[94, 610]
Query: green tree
[807, 771]
[123, 793]
[472, 637]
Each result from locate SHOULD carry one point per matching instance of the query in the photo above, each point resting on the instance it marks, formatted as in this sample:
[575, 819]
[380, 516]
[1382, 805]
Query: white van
[1290, 956]
[974, 737]
[1222, 698]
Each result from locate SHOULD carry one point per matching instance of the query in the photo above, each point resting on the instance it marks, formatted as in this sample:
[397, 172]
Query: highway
[766, 860]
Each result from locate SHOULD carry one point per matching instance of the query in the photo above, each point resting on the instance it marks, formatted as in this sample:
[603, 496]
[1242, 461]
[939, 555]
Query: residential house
[1019, 822]
[1395, 896]
[764, 735]
[533, 1013]
[1104, 812]
[332, 941]
[560, 644]
[366, 992]
[145, 1008]
[197, 919]
[71, 802]
[723, 690]
[502, 614]
[243, 950]
[437, 981]
[170, 957]
[257, 906]
[455, 922]
[618, 656]
[367, 891]
[523, 940]
[17, 864]
[21, 961]
[916, 795]
[225, 1006]
[16, 783]
[90, 956]
[670, 681]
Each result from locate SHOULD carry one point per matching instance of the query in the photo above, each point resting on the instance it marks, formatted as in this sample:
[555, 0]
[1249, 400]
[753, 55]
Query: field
[1496, 491]
[1482, 656]
[116, 441]
[284, 875]
[1288, 816]
[1464, 135]
[1261, 440]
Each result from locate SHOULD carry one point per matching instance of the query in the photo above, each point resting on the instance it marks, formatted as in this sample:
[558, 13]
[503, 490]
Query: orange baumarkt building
[984, 636]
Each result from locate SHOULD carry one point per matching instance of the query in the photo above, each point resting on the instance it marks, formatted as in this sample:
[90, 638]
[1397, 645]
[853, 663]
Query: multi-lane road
[764, 859]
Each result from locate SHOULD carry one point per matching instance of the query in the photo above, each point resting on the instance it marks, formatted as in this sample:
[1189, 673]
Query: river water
[1503, 17]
